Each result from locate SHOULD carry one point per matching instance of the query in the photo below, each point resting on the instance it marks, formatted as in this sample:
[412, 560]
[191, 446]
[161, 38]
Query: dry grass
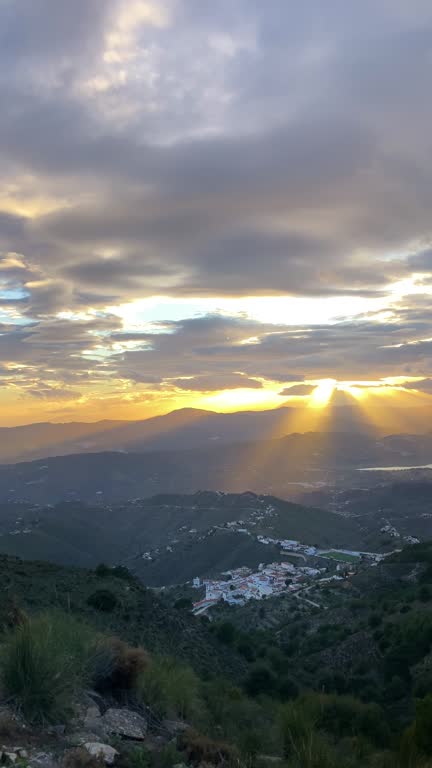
[120, 666]
[201, 749]
[80, 758]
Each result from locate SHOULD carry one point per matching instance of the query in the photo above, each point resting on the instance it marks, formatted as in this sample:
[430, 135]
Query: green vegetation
[170, 688]
[44, 662]
[342, 556]
[349, 686]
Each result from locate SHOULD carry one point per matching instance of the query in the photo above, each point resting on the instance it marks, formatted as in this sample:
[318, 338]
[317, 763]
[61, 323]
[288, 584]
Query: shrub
[237, 718]
[80, 758]
[261, 679]
[102, 570]
[345, 716]
[103, 600]
[425, 593]
[303, 745]
[201, 749]
[287, 688]
[44, 662]
[139, 758]
[117, 666]
[169, 688]
[9, 726]
[183, 604]
[121, 572]
[423, 724]
[225, 632]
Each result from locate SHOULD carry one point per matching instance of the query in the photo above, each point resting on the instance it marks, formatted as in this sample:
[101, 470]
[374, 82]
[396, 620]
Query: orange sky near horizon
[222, 206]
[377, 403]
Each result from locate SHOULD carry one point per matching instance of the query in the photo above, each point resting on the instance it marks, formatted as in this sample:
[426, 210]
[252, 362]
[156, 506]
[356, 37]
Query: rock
[79, 738]
[10, 757]
[174, 727]
[93, 712]
[126, 723]
[22, 753]
[57, 730]
[43, 760]
[97, 749]
[93, 722]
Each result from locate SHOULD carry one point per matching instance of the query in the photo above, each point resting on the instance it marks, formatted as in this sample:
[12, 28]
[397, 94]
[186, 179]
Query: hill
[138, 615]
[307, 685]
[172, 537]
[193, 428]
[283, 467]
[403, 509]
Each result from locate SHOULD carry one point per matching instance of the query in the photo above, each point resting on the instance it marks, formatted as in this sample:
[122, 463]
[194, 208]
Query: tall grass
[170, 688]
[44, 663]
[304, 746]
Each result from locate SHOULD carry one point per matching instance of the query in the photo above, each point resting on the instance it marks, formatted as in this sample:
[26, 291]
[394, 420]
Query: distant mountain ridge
[184, 428]
[283, 467]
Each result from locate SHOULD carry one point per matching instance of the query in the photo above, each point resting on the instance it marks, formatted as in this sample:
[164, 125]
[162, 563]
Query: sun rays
[322, 393]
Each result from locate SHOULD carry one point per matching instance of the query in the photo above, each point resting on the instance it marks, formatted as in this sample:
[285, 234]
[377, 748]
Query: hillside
[181, 536]
[406, 507]
[138, 615]
[370, 637]
[350, 677]
[192, 428]
[281, 467]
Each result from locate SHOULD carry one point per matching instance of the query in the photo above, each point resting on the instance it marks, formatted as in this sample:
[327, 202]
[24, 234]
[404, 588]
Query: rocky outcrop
[125, 723]
[104, 751]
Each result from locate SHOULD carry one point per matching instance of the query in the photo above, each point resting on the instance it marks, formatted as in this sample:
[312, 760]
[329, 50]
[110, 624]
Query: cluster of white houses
[242, 584]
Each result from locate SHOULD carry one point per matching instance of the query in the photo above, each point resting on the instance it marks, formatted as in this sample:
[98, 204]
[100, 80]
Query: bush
[425, 593]
[102, 570]
[80, 758]
[303, 745]
[139, 758]
[117, 666]
[225, 632]
[103, 600]
[423, 725]
[201, 749]
[345, 716]
[260, 679]
[44, 663]
[169, 688]
[287, 688]
[239, 719]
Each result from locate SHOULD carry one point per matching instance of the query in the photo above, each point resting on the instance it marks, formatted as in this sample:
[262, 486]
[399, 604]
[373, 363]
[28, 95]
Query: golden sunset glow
[239, 399]
[322, 394]
[182, 235]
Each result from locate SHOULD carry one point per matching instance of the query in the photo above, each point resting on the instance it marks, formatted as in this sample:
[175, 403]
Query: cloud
[298, 390]
[214, 383]
[425, 385]
[196, 149]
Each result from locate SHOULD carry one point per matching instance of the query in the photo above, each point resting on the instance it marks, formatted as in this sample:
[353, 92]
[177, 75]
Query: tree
[225, 632]
[260, 680]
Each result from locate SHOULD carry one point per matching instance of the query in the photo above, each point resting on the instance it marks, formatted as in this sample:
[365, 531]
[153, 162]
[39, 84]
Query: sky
[222, 205]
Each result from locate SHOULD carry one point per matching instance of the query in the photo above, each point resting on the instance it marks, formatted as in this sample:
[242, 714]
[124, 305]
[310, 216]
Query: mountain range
[191, 428]
[285, 467]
